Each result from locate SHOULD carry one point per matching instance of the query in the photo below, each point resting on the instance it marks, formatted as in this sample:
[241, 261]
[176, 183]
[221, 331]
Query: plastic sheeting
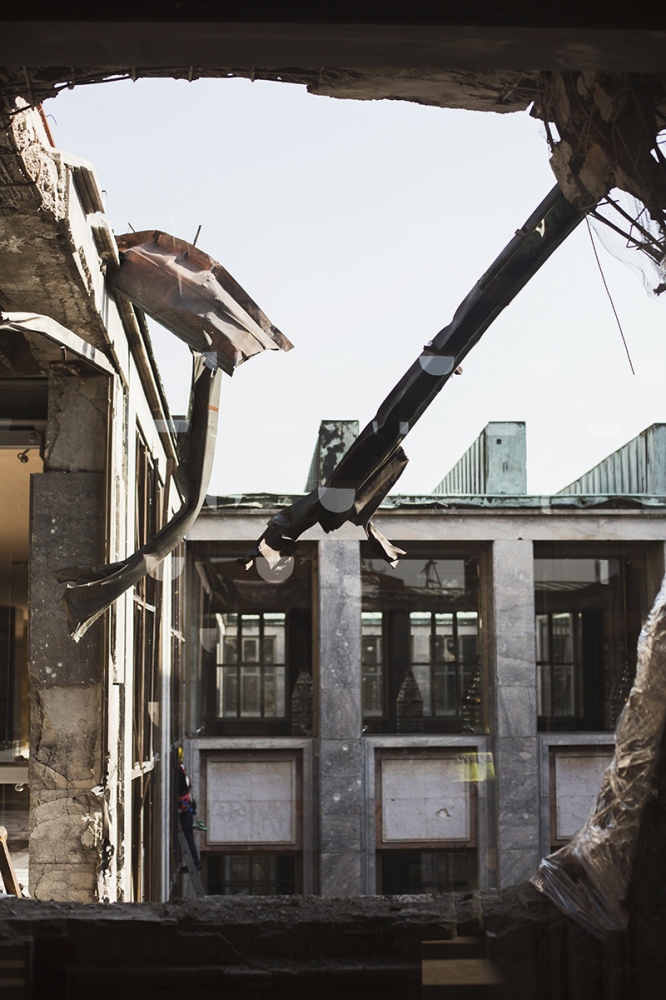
[589, 877]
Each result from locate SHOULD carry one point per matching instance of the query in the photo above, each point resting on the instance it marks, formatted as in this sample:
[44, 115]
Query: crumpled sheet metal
[589, 877]
[331, 507]
[372, 464]
[195, 297]
[95, 589]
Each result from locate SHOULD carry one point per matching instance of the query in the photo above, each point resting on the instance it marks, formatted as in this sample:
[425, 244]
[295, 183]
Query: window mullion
[239, 665]
[458, 662]
[433, 663]
[261, 666]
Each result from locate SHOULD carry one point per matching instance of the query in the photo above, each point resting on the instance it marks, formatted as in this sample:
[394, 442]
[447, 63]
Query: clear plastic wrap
[589, 877]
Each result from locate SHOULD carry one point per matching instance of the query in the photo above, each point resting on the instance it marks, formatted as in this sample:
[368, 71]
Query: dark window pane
[405, 872]
[251, 874]
[589, 609]
[428, 607]
[372, 660]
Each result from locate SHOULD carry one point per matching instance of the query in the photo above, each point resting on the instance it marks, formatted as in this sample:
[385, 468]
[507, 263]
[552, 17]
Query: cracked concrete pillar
[515, 715]
[340, 791]
[67, 688]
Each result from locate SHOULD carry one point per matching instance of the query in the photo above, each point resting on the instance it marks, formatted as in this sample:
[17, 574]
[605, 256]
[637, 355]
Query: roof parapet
[333, 440]
[495, 464]
[638, 467]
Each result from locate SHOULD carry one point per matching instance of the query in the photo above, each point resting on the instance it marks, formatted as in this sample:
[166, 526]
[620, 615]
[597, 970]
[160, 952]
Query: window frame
[294, 756]
[469, 846]
[240, 662]
[300, 643]
[395, 665]
[425, 753]
[633, 566]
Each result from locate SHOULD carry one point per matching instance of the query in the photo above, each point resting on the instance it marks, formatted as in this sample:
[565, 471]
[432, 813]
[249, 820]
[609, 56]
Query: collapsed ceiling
[602, 127]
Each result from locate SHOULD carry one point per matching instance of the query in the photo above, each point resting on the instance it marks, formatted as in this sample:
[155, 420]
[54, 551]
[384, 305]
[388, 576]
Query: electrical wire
[610, 297]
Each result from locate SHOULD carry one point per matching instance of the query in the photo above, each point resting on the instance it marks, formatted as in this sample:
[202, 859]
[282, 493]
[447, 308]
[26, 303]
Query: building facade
[88, 461]
[349, 728]
[357, 729]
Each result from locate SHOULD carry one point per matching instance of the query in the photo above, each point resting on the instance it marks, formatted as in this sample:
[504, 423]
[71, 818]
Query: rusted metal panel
[194, 297]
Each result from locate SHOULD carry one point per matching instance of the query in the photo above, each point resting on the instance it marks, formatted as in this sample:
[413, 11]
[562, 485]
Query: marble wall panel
[340, 873]
[518, 793]
[344, 829]
[577, 783]
[512, 652]
[340, 712]
[542, 523]
[516, 709]
[339, 639]
[341, 793]
[339, 620]
[340, 779]
[513, 603]
[518, 865]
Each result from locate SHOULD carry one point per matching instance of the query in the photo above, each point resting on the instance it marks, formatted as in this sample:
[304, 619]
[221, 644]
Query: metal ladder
[195, 877]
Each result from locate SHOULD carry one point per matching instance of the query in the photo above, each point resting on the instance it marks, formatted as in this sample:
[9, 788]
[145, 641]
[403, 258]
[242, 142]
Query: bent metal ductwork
[373, 463]
[197, 300]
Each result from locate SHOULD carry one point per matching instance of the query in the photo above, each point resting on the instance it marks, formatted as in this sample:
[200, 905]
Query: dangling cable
[610, 297]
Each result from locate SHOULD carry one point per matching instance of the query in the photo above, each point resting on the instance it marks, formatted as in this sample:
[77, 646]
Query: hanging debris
[604, 132]
[196, 299]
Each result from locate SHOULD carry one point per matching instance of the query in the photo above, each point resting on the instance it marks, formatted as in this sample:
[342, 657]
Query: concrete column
[339, 699]
[66, 678]
[515, 711]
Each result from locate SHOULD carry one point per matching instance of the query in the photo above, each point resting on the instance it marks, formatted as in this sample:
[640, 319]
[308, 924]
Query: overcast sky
[358, 227]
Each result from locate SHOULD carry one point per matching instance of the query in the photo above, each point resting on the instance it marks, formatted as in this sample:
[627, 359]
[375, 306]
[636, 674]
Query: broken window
[255, 645]
[421, 660]
[590, 602]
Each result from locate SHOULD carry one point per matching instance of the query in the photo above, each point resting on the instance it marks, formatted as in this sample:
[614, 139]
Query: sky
[358, 227]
